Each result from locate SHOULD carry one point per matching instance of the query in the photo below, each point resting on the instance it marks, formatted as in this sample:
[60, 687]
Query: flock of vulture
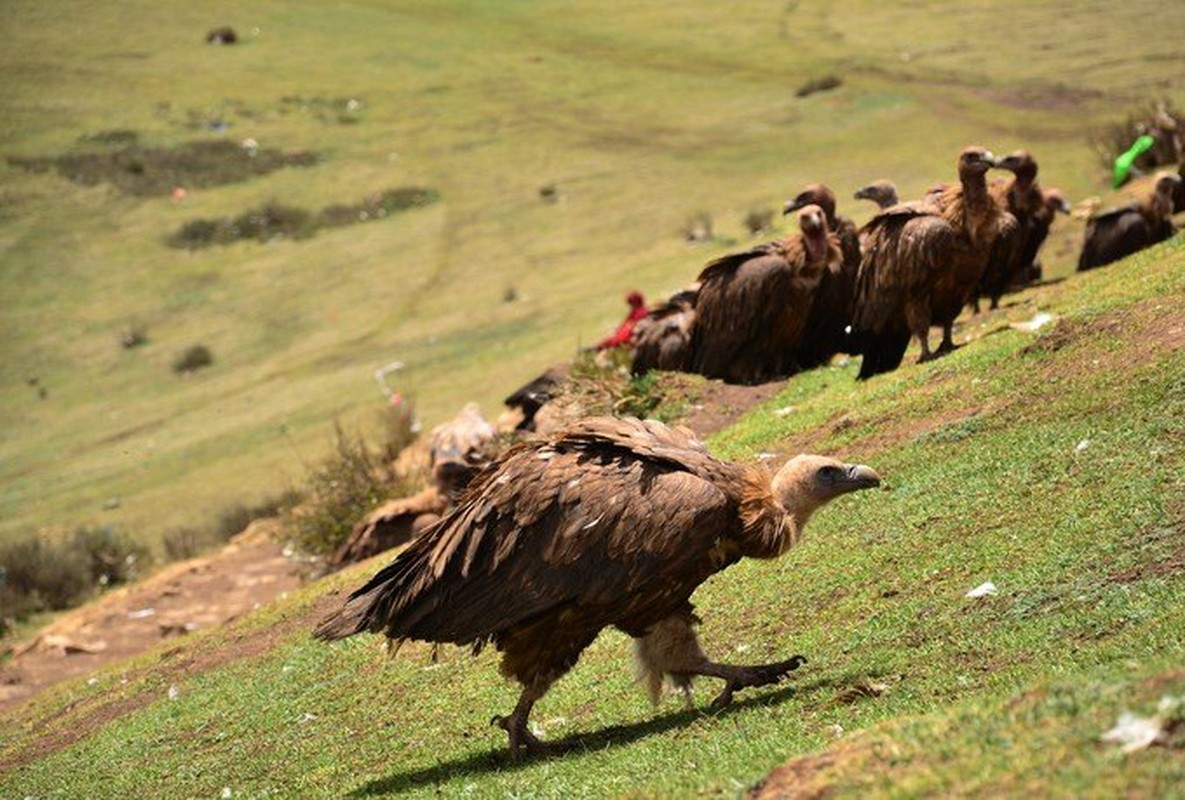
[612, 522]
[828, 288]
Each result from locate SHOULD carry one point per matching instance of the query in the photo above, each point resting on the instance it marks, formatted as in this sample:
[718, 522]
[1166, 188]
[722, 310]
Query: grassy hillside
[1049, 463]
[640, 117]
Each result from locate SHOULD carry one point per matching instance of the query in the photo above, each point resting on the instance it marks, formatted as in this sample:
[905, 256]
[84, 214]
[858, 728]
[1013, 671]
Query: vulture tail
[882, 353]
[346, 621]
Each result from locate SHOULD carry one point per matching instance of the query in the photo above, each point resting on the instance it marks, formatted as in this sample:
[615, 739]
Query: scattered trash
[1135, 733]
[1082, 445]
[1039, 321]
[834, 731]
[307, 717]
[982, 590]
[143, 613]
[785, 411]
[227, 793]
[174, 692]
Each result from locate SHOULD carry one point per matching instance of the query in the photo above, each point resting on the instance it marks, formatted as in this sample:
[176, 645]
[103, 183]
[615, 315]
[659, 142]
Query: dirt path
[190, 595]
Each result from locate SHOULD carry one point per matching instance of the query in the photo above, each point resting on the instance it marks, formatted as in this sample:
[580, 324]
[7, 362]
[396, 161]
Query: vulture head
[976, 161]
[882, 192]
[1167, 184]
[812, 220]
[1021, 164]
[807, 482]
[814, 194]
[1055, 201]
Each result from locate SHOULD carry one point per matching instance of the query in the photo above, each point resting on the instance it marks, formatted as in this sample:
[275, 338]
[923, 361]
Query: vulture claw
[746, 677]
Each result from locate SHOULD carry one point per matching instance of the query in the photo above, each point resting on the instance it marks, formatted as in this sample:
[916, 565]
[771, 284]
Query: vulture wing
[1112, 235]
[616, 516]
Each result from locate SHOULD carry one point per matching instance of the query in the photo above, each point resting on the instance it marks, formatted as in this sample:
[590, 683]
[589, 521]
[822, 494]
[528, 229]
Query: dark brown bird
[1053, 203]
[753, 306]
[882, 192]
[392, 524]
[1011, 255]
[1122, 231]
[921, 262]
[662, 339]
[611, 522]
[536, 393]
[830, 318]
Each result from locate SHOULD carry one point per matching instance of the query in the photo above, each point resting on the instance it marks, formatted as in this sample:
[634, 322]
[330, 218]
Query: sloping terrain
[1048, 463]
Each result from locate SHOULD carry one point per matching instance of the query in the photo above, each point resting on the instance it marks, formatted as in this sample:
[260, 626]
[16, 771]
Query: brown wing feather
[615, 514]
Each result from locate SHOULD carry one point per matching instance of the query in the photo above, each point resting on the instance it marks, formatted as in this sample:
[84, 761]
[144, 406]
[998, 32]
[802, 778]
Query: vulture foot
[738, 677]
[522, 741]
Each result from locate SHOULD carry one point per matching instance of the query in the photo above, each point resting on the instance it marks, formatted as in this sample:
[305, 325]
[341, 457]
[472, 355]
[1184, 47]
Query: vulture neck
[773, 517]
[1159, 207]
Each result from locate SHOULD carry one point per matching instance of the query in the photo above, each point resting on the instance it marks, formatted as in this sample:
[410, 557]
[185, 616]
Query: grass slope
[1048, 463]
[641, 117]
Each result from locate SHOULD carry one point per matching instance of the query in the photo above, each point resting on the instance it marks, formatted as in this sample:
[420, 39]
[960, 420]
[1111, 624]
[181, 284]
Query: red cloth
[621, 336]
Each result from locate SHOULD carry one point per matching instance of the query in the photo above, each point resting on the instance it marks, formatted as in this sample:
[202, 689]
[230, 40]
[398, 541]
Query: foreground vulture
[827, 325]
[1120, 232]
[610, 522]
[753, 306]
[921, 262]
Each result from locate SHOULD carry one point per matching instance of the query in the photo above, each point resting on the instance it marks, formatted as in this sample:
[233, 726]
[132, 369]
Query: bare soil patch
[197, 594]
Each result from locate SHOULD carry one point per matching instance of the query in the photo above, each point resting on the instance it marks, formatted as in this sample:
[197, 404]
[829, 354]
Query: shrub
[824, 84]
[192, 359]
[112, 557]
[759, 220]
[339, 490]
[1111, 141]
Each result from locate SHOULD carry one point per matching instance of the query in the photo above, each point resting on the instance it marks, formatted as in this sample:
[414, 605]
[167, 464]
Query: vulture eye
[830, 474]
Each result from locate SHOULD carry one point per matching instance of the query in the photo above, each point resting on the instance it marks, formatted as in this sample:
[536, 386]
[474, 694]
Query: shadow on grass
[498, 760]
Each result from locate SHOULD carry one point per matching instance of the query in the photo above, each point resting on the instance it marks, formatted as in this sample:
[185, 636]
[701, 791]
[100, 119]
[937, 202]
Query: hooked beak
[792, 205]
[860, 476]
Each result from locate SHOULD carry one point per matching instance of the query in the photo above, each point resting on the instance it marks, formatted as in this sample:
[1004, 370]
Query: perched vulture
[392, 524]
[610, 522]
[921, 262]
[1053, 203]
[1120, 232]
[536, 393]
[459, 448]
[753, 306]
[1011, 255]
[881, 192]
[827, 325]
[662, 338]
[1179, 192]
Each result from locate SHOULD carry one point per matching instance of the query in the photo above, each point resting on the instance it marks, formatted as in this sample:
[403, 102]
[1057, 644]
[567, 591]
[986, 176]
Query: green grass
[641, 117]
[936, 692]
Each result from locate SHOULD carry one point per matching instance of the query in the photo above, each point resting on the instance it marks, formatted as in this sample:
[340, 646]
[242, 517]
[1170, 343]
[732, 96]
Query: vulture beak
[990, 160]
[859, 476]
[1063, 205]
[792, 205]
[862, 193]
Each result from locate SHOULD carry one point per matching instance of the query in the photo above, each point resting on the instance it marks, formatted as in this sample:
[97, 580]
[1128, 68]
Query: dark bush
[1155, 117]
[192, 359]
[183, 543]
[758, 221]
[824, 84]
[112, 556]
[338, 491]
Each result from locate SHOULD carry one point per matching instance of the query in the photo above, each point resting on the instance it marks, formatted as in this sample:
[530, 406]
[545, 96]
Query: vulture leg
[521, 738]
[917, 318]
[948, 340]
[671, 649]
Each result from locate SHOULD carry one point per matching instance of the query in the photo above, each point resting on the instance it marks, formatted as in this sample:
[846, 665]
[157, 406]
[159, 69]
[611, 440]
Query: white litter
[982, 590]
[1039, 321]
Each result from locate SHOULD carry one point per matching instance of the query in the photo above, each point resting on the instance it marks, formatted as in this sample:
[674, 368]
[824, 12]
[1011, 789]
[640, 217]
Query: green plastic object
[1123, 164]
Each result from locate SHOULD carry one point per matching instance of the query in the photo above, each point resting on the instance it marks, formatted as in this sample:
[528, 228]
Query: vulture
[459, 448]
[753, 305]
[1120, 232]
[390, 525]
[536, 393]
[662, 338]
[881, 192]
[1179, 192]
[921, 262]
[609, 522]
[827, 325]
[1053, 203]
[1012, 255]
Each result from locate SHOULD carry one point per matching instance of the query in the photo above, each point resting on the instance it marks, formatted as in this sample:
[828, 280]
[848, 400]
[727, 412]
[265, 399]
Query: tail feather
[351, 618]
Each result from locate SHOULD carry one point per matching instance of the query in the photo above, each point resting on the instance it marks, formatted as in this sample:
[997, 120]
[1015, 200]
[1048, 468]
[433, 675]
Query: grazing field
[560, 153]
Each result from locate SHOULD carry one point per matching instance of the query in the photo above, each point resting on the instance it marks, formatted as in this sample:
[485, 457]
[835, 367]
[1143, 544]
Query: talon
[725, 697]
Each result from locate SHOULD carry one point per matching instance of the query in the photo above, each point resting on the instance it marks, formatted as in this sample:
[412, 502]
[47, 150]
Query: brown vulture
[610, 522]
[1179, 192]
[1122, 231]
[1053, 203]
[662, 339]
[921, 262]
[459, 448]
[881, 192]
[536, 393]
[830, 318]
[1011, 256]
[753, 306]
[392, 524]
